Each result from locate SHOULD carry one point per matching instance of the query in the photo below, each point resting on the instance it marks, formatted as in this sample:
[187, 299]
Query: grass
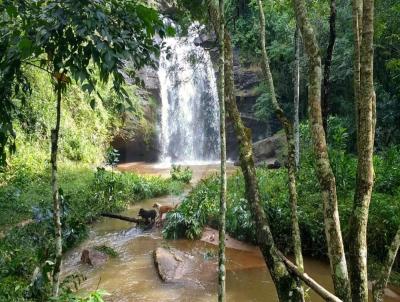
[19, 195]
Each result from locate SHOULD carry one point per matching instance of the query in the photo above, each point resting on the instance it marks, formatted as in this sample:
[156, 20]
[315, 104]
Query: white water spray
[190, 108]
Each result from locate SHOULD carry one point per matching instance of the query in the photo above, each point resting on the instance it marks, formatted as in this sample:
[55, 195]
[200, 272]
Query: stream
[132, 275]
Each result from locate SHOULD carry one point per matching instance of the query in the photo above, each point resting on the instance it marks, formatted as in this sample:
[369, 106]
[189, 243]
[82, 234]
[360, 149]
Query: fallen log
[125, 218]
[314, 285]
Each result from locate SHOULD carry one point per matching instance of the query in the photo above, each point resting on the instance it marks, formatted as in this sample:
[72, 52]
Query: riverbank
[200, 208]
[132, 275]
[26, 219]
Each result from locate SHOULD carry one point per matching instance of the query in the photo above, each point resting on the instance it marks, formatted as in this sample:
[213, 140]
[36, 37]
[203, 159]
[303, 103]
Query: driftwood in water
[125, 218]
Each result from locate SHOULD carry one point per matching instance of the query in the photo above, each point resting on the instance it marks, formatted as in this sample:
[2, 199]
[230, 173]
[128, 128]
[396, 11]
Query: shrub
[85, 194]
[183, 174]
[200, 207]
[197, 209]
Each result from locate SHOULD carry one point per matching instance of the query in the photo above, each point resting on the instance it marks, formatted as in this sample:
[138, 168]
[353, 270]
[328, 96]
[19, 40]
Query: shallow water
[132, 275]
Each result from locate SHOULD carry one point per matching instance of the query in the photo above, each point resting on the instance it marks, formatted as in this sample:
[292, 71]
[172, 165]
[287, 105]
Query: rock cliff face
[247, 80]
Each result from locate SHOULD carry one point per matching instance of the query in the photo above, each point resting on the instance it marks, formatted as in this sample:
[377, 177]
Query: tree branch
[120, 217]
[314, 285]
[34, 65]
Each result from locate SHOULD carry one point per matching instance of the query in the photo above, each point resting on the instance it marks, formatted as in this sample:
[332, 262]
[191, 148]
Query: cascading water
[190, 109]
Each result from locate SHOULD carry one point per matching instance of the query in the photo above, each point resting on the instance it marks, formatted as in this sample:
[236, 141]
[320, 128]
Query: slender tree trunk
[222, 205]
[324, 170]
[380, 284]
[285, 283]
[357, 26]
[365, 169]
[288, 127]
[55, 190]
[326, 86]
[297, 96]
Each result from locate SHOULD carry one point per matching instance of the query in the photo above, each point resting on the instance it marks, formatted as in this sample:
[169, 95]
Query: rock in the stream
[172, 264]
[177, 266]
[93, 257]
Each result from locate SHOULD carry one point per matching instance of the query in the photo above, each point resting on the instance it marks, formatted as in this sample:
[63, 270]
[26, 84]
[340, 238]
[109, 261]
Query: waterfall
[190, 108]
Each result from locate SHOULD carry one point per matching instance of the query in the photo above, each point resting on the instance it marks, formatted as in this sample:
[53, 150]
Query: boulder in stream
[93, 257]
[172, 264]
[177, 266]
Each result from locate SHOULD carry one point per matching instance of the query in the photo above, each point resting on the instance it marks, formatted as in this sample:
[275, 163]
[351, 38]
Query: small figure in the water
[85, 257]
[148, 215]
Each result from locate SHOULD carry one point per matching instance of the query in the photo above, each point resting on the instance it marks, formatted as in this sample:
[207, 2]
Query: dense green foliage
[85, 195]
[200, 207]
[81, 40]
[244, 28]
[25, 193]
[180, 173]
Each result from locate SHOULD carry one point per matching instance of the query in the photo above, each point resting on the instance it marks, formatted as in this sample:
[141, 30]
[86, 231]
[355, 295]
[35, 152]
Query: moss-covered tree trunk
[380, 284]
[55, 191]
[285, 283]
[324, 171]
[357, 25]
[365, 169]
[222, 205]
[288, 127]
[296, 99]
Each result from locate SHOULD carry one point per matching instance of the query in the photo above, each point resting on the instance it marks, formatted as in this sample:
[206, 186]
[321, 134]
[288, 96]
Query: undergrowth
[200, 207]
[85, 194]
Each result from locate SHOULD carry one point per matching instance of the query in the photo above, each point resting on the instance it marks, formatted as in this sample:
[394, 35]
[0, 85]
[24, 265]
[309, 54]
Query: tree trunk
[327, 67]
[297, 96]
[380, 284]
[124, 218]
[365, 169]
[285, 283]
[288, 127]
[324, 171]
[357, 25]
[56, 197]
[222, 205]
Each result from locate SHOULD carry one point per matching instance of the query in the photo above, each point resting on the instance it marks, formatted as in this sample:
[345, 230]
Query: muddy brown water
[132, 275]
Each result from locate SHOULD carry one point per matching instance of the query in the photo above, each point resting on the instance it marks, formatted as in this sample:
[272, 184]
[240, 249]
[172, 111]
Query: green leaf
[25, 46]
[170, 31]
[12, 11]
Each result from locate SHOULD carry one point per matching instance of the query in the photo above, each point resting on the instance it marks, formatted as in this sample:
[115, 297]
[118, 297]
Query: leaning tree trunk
[296, 100]
[288, 127]
[326, 85]
[324, 170]
[55, 190]
[379, 285]
[365, 169]
[285, 284]
[222, 205]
